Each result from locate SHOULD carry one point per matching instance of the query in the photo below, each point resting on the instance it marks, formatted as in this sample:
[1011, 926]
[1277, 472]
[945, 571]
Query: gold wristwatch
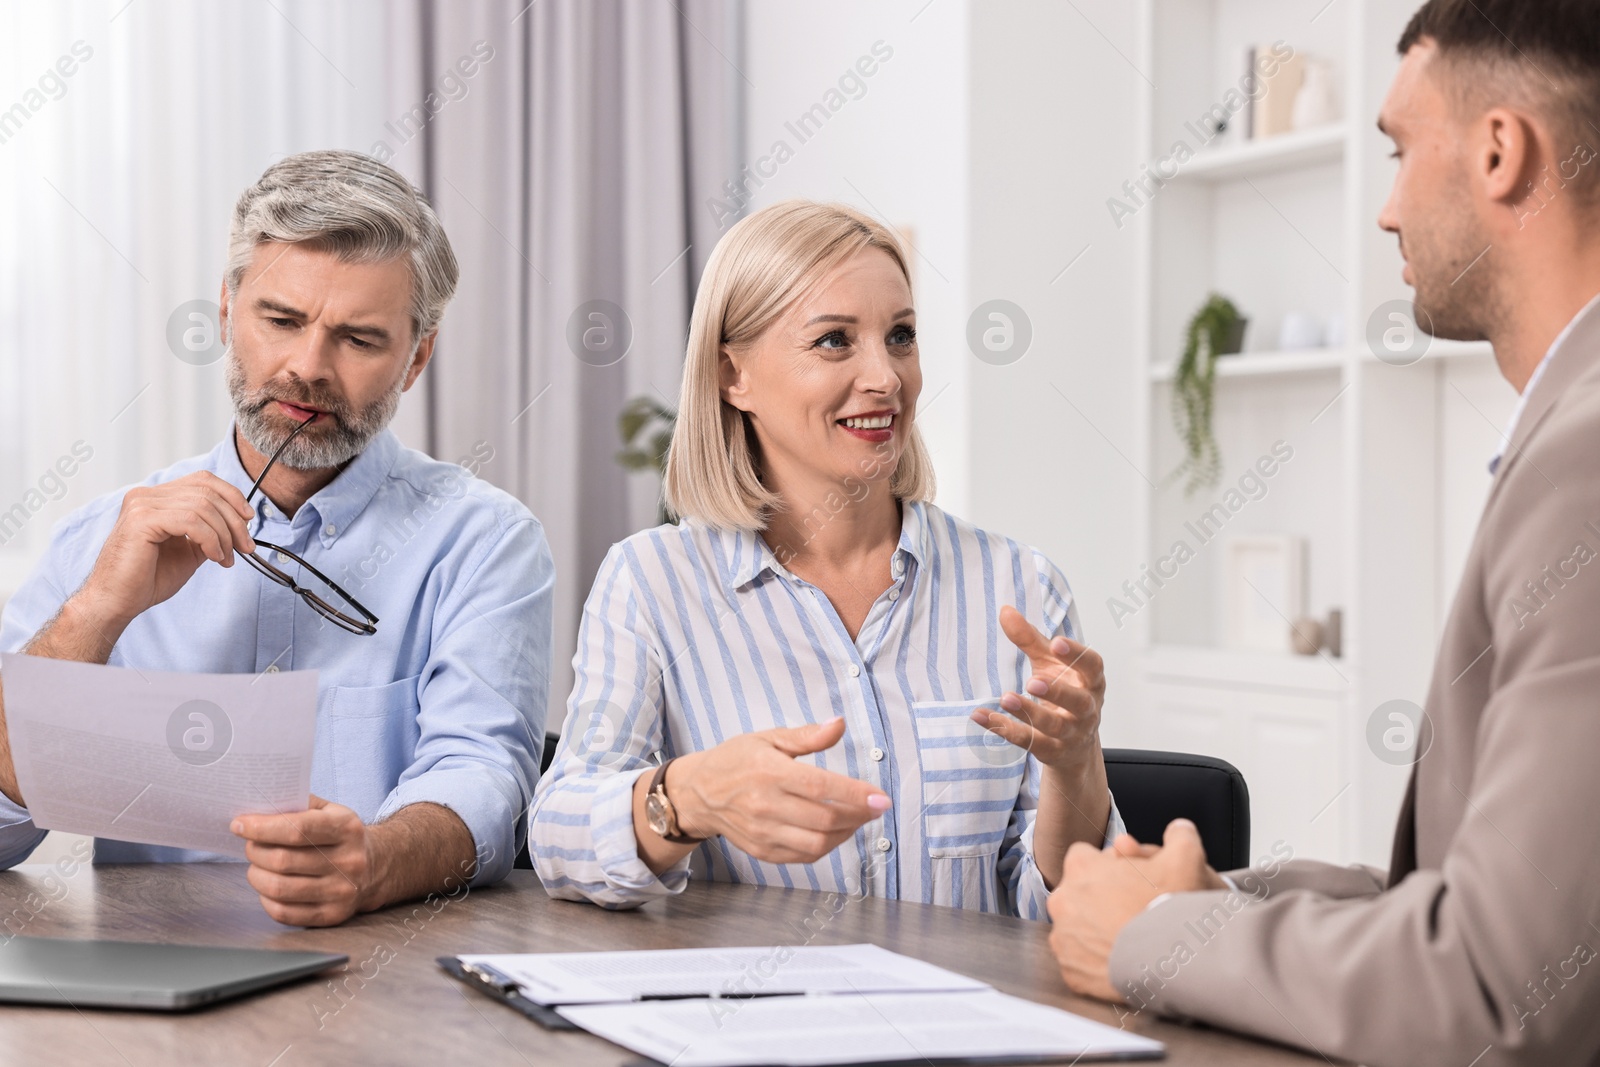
[659, 813]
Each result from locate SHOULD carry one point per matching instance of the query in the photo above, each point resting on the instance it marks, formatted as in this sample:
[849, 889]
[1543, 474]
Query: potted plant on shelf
[1217, 329]
[641, 450]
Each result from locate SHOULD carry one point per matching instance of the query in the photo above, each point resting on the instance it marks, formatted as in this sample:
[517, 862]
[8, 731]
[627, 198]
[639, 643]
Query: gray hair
[361, 210]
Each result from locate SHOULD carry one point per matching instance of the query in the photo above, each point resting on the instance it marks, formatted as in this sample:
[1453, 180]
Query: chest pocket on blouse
[372, 737]
[970, 779]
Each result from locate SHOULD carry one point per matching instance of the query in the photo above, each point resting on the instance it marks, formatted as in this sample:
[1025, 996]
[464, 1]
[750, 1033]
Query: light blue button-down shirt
[444, 704]
[693, 635]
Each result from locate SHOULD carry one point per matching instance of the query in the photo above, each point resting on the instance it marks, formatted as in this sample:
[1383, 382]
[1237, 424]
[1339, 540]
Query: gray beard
[336, 439]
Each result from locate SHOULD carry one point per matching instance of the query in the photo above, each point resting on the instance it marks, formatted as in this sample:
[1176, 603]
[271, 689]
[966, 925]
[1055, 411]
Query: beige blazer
[1483, 948]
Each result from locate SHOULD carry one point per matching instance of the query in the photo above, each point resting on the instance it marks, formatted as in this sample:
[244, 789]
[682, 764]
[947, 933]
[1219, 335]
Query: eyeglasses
[326, 598]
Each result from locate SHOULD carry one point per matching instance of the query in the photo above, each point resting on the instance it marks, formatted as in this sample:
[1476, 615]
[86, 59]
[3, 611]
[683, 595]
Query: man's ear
[420, 360]
[1505, 154]
[223, 325]
[732, 381]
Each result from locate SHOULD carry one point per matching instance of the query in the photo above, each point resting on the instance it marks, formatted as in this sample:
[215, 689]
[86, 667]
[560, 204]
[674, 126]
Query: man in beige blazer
[1480, 945]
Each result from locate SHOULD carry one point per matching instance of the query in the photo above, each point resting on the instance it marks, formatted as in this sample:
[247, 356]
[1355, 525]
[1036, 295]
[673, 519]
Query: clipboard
[660, 1025]
[497, 986]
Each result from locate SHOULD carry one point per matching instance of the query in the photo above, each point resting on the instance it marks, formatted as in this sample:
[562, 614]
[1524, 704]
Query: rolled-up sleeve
[482, 698]
[582, 838]
[1019, 873]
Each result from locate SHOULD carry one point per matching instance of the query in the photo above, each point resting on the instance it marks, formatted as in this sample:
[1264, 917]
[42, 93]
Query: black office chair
[1153, 788]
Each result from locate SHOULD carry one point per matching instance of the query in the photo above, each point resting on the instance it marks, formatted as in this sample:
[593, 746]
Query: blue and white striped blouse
[692, 635]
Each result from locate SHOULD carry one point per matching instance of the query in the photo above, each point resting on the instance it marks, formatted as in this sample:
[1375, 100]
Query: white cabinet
[1285, 743]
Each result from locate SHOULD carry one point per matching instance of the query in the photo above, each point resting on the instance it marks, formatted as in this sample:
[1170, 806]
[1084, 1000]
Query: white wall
[1053, 134]
[898, 152]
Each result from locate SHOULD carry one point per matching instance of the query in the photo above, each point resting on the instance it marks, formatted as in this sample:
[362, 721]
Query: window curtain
[576, 151]
[573, 149]
[127, 130]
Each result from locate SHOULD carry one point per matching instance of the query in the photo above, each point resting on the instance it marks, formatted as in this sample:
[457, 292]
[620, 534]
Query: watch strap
[658, 786]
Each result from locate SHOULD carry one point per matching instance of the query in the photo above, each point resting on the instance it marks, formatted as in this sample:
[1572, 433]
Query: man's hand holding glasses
[164, 533]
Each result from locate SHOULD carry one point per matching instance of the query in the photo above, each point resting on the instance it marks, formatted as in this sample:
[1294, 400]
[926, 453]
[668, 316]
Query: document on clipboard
[788, 1006]
[563, 978]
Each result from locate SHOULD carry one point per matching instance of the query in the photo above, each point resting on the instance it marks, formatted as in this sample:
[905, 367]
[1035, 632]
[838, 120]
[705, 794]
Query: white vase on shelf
[1316, 103]
[1299, 331]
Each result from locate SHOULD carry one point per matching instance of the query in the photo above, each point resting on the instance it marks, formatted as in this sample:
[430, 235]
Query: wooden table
[393, 1005]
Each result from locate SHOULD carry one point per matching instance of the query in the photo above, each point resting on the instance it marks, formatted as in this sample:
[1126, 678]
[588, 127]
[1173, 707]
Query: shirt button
[897, 566]
[883, 844]
[282, 557]
[330, 529]
[877, 754]
[894, 594]
[855, 672]
[272, 668]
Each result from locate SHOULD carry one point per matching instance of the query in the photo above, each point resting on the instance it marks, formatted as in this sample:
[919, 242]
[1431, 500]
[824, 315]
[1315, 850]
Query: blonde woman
[816, 655]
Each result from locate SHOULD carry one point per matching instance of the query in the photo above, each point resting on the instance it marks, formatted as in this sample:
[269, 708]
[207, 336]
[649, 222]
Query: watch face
[658, 813]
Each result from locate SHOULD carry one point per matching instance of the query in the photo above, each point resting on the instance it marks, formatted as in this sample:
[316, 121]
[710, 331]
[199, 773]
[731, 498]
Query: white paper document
[551, 978]
[157, 757]
[864, 1028]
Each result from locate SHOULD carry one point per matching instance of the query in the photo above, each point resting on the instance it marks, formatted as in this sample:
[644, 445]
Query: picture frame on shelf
[1263, 587]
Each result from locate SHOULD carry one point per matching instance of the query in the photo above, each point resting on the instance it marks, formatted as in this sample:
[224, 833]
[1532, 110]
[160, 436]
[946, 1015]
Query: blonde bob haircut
[759, 270]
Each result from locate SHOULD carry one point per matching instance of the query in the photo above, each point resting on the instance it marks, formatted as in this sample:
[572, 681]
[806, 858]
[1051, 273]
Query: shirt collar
[914, 532]
[336, 504]
[749, 557]
[1533, 380]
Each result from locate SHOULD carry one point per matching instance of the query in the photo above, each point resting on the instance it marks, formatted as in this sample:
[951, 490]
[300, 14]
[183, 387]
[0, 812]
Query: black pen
[711, 996]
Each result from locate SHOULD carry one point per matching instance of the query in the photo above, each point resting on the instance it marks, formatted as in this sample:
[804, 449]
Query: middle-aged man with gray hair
[430, 725]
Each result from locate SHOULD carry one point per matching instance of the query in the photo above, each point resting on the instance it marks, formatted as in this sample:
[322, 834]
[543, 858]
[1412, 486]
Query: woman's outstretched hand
[751, 790]
[1057, 718]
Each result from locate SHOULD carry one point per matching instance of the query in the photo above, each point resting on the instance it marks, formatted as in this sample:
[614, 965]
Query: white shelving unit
[1475, 351]
[1300, 148]
[1258, 364]
[1387, 469]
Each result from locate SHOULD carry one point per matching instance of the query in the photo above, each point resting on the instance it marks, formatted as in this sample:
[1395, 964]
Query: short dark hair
[1564, 31]
[1554, 44]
